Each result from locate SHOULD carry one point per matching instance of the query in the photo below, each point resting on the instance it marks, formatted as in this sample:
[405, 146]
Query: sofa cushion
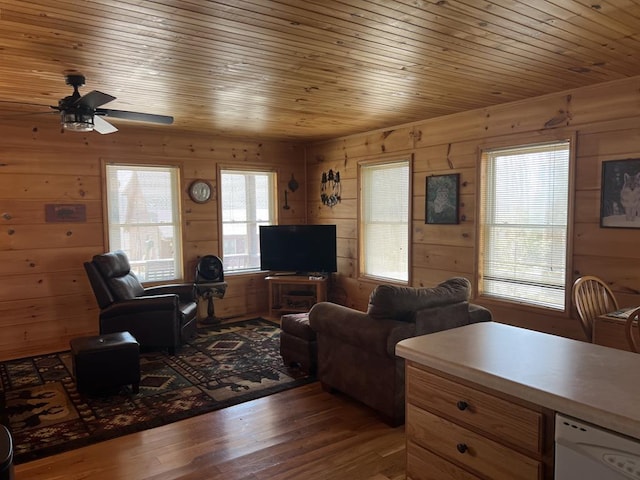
[126, 287]
[338, 324]
[443, 317]
[400, 303]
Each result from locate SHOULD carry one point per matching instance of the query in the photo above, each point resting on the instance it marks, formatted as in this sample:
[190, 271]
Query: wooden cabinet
[294, 294]
[609, 332]
[458, 430]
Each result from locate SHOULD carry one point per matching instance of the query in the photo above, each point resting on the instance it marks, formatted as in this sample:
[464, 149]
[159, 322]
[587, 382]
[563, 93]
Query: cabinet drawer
[424, 465]
[469, 449]
[499, 418]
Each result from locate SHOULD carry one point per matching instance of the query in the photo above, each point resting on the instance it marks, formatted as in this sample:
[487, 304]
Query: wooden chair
[632, 330]
[592, 298]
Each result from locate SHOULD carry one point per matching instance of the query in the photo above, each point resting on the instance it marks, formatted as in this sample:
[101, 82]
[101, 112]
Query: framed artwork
[442, 200]
[620, 194]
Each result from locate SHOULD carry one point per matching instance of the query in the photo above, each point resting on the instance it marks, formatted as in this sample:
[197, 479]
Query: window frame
[514, 143]
[177, 211]
[222, 169]
[384, 161]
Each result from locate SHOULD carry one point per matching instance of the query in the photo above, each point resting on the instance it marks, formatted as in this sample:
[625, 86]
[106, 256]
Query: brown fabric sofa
[356, 350]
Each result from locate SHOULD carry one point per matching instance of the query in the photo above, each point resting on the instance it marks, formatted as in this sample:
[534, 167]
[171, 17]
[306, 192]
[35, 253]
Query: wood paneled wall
[605, 122]
[45, 297]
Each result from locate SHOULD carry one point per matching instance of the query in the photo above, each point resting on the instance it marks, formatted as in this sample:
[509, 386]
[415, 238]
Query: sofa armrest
[132, 306]
[358, 329]
[444, 317]
[185, 291]
[478, 313]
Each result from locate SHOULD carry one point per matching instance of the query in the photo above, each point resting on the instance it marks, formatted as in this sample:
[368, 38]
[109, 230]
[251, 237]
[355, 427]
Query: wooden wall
[605, 122]
[45, 297]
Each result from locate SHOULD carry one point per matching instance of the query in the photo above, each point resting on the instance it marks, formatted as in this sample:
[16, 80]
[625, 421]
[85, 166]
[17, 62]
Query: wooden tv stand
[294, 293]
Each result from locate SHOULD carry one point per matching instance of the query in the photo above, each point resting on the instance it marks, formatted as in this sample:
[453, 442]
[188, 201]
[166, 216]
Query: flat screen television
[298, 248]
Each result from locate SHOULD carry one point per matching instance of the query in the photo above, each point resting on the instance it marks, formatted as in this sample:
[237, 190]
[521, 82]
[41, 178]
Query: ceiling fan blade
[102, 126]
[140, 117]
[94, 99]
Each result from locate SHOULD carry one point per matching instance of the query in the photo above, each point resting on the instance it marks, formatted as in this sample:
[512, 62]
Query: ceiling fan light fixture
[77, 121]
[81, 113]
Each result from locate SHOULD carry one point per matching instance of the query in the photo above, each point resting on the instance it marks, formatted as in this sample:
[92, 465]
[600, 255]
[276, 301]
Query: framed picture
[442, 199]
[620, 194]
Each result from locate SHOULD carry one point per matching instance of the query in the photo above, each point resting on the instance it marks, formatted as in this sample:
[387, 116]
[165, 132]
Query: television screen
[298, 248]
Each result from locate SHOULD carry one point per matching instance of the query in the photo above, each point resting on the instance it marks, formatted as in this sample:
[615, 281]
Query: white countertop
[597, 384]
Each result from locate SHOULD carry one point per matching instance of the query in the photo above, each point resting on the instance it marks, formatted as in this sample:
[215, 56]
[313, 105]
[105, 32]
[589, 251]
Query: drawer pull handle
[462, 405]
[462, 447]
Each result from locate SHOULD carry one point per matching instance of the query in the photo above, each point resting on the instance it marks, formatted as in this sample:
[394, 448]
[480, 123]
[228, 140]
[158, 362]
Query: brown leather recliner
[356, 350]
[164, 316]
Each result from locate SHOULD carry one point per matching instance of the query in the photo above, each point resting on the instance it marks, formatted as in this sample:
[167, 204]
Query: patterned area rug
[225, 365]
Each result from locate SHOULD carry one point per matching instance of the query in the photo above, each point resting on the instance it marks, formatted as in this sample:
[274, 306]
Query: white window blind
[385, 220]
[523, 225]
[247, 201]
[144, 219]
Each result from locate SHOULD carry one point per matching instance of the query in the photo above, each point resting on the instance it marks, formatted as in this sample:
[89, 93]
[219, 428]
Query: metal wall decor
[331, 189]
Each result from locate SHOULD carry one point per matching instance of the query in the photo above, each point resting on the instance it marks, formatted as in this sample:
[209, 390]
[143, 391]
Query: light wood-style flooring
[303, 433]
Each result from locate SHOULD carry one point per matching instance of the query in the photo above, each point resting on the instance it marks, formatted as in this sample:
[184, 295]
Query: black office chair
[209, 284]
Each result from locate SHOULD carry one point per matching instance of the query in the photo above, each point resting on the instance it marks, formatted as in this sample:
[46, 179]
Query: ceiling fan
[82, 113]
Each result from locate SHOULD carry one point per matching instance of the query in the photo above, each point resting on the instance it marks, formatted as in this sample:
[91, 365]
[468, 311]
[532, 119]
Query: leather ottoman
[298, 344]
[104, 362]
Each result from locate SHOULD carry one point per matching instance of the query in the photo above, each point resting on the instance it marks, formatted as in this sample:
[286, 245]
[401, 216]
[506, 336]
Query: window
[144, 220]
[247, 201]
[384, 212]
[523, 224]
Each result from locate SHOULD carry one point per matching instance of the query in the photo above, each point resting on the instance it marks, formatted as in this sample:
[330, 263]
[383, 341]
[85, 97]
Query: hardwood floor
[303, 433]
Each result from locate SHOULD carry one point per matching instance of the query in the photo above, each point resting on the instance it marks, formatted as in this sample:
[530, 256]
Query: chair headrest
[116, 271]
[112, 264]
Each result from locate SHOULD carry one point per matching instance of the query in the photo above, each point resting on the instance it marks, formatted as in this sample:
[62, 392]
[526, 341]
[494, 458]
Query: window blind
[144, 219]
[524, 216]
[247, 201]
[385, 220]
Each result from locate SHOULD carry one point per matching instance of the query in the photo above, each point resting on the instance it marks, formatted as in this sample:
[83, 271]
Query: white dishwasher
[587, 452]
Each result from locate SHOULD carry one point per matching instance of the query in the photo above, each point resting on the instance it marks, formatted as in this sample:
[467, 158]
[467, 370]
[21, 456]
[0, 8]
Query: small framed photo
[620, 194]
[442, 199]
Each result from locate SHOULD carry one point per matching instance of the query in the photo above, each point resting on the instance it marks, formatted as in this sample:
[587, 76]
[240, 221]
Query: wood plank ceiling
[312, 69]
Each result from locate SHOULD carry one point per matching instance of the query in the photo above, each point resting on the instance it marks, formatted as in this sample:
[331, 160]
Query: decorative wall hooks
[331, 188]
